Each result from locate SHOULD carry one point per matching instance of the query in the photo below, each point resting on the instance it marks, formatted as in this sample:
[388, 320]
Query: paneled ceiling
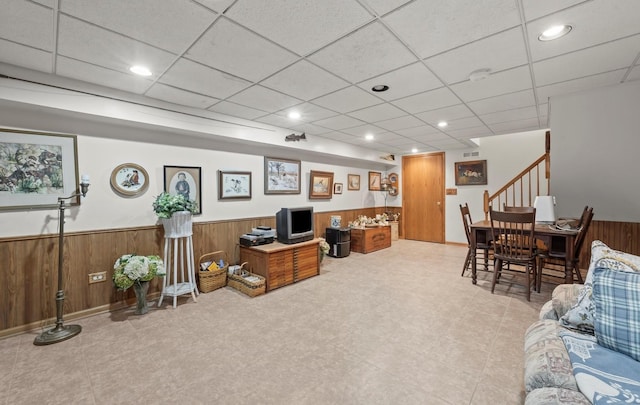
[261, 59]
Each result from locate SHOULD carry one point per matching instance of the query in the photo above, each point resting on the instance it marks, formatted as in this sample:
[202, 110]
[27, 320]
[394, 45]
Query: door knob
[438, 203]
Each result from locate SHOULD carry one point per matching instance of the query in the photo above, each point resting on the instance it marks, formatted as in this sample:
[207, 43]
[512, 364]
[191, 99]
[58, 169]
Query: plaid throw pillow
[616, 295]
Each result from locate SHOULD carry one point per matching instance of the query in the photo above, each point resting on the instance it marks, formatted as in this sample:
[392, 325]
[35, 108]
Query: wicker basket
[247, 283]
[212, 280]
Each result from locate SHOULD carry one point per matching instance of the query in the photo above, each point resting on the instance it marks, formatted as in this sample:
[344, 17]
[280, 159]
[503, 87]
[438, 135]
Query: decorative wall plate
[393, 178]
[129, 179]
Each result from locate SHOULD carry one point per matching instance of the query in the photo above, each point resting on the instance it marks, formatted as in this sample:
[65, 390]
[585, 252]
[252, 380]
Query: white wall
[103, 208]
[506, 155]
[595, 142]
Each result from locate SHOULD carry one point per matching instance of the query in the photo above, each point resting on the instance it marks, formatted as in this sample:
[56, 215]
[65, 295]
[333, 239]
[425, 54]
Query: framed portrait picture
[353, 182]
[234, 185]
[320, 185]
[281, 176]
[185, 180]
[36, 168]
[337, 188]
[473, 172]
[375, 181]
[129, 179]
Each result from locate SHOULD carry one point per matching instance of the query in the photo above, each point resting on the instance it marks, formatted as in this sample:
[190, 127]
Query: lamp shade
[545, 209]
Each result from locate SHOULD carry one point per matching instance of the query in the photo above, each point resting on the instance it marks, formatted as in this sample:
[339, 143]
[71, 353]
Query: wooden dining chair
[552, 260]
[482, 244]
[514, 246]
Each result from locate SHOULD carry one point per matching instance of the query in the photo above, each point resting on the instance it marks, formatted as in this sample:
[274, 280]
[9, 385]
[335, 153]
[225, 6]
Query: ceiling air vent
[469, 154]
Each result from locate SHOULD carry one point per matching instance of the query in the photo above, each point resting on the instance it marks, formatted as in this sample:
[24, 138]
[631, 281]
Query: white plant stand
[178, 252]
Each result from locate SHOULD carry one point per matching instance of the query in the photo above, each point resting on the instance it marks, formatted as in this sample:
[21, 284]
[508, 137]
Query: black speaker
[341, 249]
[338, 235]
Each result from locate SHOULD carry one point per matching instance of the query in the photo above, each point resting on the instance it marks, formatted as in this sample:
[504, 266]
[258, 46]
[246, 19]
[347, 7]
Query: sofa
[585, 347]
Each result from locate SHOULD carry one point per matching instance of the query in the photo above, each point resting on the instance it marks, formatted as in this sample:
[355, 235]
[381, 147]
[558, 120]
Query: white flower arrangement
[324, 246]
[130, 269]
[363, 220]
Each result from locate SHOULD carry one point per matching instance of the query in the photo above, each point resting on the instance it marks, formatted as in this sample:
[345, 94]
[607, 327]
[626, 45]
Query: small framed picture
[129, 179]
[281, 176]
[473, 172]
[353, 182]
[320, 185]
[375, 181]
[185, 180]
[234, 185]
[337, 188]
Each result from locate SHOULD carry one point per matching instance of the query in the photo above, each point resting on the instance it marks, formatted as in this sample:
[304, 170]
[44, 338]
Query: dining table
[554, 238]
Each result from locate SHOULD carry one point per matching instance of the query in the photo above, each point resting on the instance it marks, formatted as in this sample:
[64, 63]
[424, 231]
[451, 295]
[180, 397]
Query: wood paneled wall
[28, 276]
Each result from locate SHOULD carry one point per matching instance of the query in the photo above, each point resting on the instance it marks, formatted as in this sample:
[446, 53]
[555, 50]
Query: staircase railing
[522, 190]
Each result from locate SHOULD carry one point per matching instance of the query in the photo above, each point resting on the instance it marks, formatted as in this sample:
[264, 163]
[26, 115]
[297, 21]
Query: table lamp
[545, 209]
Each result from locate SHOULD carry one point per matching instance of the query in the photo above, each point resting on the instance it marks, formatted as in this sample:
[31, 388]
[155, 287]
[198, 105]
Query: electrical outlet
[97, 277]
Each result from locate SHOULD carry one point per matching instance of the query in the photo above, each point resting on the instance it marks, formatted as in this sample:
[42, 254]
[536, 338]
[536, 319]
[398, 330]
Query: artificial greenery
[166, 204]
[131, 269]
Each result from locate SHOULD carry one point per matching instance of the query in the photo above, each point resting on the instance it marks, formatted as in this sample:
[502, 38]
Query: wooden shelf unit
[281, 264]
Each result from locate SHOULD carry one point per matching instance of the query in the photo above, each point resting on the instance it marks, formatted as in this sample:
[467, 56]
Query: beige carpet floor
[397, 326]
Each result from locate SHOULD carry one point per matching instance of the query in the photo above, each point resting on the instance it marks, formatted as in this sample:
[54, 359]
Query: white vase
[178, 226]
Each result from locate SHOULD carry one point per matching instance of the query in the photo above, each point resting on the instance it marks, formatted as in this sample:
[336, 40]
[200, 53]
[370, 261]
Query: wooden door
[423, 197]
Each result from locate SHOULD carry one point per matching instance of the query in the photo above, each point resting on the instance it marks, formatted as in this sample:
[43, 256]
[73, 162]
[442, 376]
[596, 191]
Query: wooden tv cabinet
[366, 240]
[281, 264]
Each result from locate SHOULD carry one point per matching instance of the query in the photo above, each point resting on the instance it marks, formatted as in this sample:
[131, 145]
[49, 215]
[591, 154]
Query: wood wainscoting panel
[623, 236]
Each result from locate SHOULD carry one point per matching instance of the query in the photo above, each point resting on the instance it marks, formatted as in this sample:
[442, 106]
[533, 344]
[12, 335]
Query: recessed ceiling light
[555, 32]
[368, 137]
[380, 87]
[479, 74]
[442, 124]
[140, 70]
[294, 115]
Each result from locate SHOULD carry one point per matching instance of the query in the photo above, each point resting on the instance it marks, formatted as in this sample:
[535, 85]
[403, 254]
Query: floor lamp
[62, 332]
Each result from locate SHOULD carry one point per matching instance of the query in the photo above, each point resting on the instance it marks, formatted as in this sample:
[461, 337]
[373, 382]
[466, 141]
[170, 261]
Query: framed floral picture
[320, 185]
[353, 182]
[234, 185]
[37, 168]
[184, 180]
[281, 176]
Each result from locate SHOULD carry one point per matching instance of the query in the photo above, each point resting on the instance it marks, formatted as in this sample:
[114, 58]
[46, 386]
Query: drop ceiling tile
[448, 24]
[173, 28]
[510, 115]
[275, 120]
[305, 81]
[408, 121]
[515, 126]
[429, 138]
[378, 112]
[429, 100]
[237, 110]
[368, 52]
[445, 114]
[27, 23]
[339, 122]
[309, 112]
[635, 74]
[418, 131]
[406, 81]
[201, 79]
[264, 99]
[448, 144]
[538, 8]
[362, 130]
[507, 50]
[592, 25]
[599, 59]
[47, 3]
[303, 25]
[463, 123]
[87, 72]
[384, 6]
[339, 136]
[310, 129]
[387, 137]
[584, 83]
[504, 102]
[470, 132]
[107, 49]
[347, 100]
[25, 56]
[179, 96]
[231, 48]
[508, 81]
[217, 5]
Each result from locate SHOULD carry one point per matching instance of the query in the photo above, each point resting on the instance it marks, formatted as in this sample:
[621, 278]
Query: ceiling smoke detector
[479, 74]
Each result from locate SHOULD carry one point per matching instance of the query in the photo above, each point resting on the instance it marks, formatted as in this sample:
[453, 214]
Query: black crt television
[294, 225]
